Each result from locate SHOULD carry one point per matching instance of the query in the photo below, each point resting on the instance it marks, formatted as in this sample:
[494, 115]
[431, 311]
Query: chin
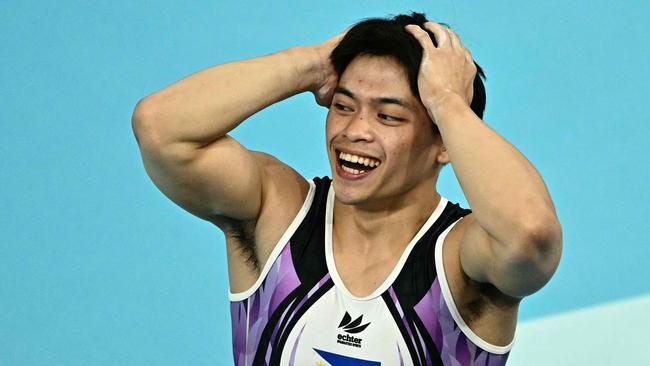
[349, 196]
[348, 201]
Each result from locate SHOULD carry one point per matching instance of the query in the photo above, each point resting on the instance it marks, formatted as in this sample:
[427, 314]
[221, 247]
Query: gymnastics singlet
[299, 312]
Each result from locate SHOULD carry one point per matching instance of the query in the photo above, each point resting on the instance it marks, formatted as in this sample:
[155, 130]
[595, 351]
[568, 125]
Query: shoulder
[284, 191]
[451, 254]
[488, 312]
[250, 243]
[282, 186]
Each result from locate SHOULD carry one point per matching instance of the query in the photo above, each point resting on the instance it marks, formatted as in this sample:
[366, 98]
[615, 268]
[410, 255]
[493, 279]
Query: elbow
[536, 257]
[143, 123]
[154, 139]
[542, 242]
[540, 233]
[141, 113]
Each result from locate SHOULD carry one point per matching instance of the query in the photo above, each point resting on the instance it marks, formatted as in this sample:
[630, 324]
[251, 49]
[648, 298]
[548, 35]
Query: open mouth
[356, 165]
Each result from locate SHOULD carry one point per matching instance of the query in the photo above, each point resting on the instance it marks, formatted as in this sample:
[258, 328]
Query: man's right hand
[324, 85]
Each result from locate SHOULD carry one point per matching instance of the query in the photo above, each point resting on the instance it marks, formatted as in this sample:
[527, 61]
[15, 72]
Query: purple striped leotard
[299, 312]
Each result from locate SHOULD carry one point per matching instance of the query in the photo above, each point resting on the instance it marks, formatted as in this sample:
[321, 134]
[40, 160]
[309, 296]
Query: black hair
[387, 37]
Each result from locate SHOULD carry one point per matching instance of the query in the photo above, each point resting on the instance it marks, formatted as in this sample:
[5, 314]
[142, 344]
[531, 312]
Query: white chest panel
[317, 338]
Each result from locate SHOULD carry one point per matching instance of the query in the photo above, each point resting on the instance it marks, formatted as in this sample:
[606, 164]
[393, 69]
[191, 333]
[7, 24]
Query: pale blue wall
[98, 267]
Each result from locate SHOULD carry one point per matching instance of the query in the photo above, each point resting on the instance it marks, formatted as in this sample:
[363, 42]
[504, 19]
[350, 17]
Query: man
[373, 267]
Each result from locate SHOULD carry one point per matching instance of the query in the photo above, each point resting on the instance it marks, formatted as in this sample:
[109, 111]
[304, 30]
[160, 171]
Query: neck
[383, 226]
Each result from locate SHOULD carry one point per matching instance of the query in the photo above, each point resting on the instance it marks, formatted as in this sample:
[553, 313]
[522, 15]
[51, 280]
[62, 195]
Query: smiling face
[381, 144]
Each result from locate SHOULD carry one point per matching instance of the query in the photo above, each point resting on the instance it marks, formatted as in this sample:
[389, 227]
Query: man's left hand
[446, 70]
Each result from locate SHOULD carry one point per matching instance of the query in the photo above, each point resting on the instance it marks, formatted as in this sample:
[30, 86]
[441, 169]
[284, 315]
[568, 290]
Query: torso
[360, 279]
[489, 314]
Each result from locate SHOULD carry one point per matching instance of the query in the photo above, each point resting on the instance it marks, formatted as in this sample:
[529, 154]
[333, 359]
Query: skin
[367, 211]
[506, 249]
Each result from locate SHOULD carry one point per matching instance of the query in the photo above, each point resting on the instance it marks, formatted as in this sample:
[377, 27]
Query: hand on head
[327, 78]
[446, 69]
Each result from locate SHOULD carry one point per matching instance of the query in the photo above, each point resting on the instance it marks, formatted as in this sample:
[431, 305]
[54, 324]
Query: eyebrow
[378, 100]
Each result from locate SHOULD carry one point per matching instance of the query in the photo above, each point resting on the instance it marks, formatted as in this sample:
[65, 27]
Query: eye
[386, 117]
[342, 108]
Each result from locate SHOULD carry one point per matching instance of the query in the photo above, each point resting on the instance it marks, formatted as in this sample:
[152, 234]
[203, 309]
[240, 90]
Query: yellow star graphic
[321, 363]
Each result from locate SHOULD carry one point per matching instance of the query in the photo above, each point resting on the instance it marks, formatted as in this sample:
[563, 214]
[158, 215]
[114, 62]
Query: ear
[443, 156]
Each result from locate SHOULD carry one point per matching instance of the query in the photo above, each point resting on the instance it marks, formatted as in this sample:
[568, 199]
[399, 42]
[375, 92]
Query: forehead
[376, 76]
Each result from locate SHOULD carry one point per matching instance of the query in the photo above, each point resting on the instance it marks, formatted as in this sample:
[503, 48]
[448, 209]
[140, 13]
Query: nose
[359, 127]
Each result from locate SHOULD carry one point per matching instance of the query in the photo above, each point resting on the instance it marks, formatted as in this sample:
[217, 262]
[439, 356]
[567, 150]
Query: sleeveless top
[299, 312]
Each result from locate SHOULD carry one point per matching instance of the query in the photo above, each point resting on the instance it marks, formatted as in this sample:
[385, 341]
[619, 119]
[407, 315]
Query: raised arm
[513, 238]
[182, 130]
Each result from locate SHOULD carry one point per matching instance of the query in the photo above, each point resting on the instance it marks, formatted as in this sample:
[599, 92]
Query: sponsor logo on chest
[350, 327]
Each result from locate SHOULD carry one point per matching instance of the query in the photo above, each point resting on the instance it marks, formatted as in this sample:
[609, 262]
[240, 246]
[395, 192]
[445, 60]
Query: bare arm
[513, 238]
[182, 129]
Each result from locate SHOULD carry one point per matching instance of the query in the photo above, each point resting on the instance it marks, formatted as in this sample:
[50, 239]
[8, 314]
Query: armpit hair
[488, 297]
[243, 235]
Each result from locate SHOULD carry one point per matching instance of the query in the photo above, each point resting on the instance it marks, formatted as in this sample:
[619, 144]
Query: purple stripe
[427, 357]
[309, 295]
[279, 282]
[412, 339]
[292, 360]
[238, 314]
[277, 326]
[393, 296]
[399, 353]
[302, 302]
[453, 345]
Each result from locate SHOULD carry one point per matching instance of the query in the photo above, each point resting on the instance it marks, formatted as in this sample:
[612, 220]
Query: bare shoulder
[283, 188]
[249, 244]
[488, 312]
[284, 191]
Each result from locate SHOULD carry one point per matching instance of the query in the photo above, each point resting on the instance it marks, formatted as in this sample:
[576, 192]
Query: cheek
[408, 146]
[328, 126]
[423, 136]
[332, 126]
[401, 139]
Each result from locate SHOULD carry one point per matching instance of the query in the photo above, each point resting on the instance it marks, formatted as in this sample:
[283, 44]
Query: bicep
[219, 179]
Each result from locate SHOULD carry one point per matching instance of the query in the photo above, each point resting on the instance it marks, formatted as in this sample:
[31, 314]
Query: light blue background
[98, 267]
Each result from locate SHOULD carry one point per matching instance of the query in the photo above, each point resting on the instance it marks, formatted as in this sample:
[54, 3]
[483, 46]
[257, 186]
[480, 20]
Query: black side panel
[419, 271]
[308, 242]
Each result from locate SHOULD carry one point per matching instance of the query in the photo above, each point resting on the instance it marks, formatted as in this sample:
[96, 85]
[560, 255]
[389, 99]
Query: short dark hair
[387, 37]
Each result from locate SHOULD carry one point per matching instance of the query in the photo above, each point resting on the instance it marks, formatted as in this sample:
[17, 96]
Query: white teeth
[353, 171]
[358, 159]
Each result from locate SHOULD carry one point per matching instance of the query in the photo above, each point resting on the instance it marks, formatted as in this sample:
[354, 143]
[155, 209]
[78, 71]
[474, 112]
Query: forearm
[206, 105]
[506, 193]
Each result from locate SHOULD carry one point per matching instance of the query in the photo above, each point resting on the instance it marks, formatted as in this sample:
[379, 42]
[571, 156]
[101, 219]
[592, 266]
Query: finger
[337, 38]
[422, 37]
[470, 94]
[468, 56]
[454, 39]
[442, 37]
